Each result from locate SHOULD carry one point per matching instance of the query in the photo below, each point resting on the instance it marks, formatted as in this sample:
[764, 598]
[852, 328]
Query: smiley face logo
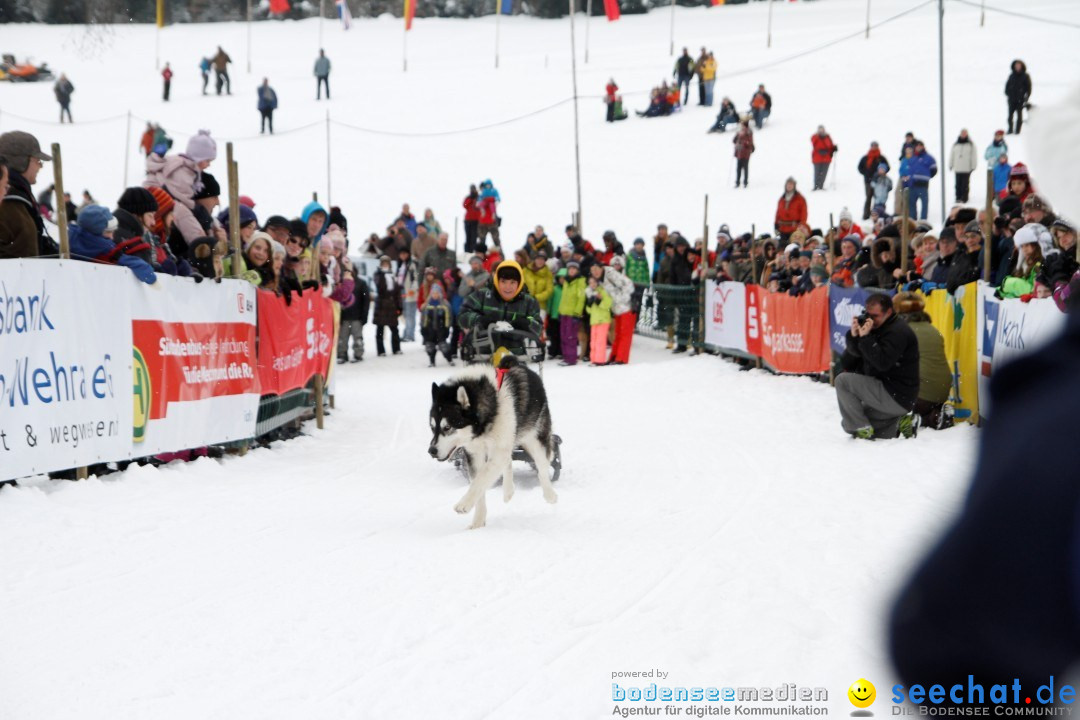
[862, 693]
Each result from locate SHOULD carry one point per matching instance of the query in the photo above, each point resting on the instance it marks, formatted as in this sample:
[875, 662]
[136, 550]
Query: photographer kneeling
[880, 382]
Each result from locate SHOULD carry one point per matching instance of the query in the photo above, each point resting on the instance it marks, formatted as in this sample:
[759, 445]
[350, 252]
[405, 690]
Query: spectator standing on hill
[472, 218]
[708, 77]
[322, 75]
[962, 161]
[204, 70]
[221, 71]
[387, 307]
[63, 90]
[267, 105]
[822, 155]
[880, 383]
[166, 77]
[868, 168]
[683, 72]
[996, 149]
[922, 166]
[489, 214]
[790, 210]
[1017, 90]
[744, 148]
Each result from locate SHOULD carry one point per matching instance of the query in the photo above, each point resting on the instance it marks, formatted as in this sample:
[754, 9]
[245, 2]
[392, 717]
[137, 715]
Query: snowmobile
[490, 345]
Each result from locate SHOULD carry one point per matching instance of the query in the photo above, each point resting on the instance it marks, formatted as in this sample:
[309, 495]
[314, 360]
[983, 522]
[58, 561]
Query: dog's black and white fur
[471, 412]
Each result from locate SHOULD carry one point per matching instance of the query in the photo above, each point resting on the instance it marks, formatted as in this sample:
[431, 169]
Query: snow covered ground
[713, 524]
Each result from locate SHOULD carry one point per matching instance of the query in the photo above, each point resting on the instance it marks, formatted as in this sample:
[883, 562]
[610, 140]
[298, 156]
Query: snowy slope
[712, 523]
[635, 174]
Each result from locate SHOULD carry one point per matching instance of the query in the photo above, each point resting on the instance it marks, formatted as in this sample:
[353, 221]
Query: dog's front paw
[508, 490]
[463, 506]
[477, 524]
[551, 497]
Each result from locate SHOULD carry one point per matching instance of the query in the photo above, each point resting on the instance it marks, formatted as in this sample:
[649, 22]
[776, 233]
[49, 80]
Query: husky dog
[487, 412]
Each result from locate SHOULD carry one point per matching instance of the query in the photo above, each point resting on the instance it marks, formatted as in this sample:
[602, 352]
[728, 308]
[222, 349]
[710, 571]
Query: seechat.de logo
[862, 695]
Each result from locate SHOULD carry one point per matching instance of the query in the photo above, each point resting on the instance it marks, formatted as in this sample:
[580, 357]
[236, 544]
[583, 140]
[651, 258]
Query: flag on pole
[344, 14]
[410, 11]
[506, 7]
[161, 13]
[611, 9]
[277, 7]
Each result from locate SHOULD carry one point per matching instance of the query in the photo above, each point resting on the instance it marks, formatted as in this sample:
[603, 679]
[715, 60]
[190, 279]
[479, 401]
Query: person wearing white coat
[962, 161]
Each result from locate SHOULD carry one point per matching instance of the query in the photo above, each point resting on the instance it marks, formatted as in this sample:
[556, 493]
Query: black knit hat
[336, 218]
[210, 189]
[277, 221]
[137, 200]
[298, 228]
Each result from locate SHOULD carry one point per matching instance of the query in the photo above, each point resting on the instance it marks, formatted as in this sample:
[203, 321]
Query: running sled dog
[486, 412]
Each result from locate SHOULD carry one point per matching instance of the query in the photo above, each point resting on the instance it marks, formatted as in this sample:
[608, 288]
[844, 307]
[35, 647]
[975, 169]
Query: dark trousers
[65, 108]
[223, 80]
[686, 328]
[470, 235]
[701, 91]
[205, 81]
[610, 112]
[963, 181]
[267, 118]
[821, 172]
[323, 80]
[568, 329]
[1019, 111]
[684, 81]
[915, 194]
[395, 338]
[554, 335]
[742, 169]
[869, 199]
[168, 85]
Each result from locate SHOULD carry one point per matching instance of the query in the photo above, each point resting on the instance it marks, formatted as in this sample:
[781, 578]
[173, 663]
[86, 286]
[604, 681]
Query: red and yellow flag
[410, 11]
[714, 3]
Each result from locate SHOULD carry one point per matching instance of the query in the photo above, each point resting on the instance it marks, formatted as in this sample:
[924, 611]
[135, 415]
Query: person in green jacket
[1028, 240]
[598, 305]
[571, 306]
[539, 280]
[503, 305]
[935, 379]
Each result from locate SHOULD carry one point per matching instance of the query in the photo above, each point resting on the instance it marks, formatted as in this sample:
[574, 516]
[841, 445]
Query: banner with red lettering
[725, 315]
[794, 334]
[295, 340]
[193, 364]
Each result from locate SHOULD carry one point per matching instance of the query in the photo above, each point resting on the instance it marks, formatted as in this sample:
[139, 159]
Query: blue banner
[845, 304]
[507, 7]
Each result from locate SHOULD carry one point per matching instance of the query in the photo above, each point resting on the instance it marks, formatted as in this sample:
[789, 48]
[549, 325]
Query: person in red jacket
[790, 210]
[744, 147]
[166, 75]
[822, 156]
[609, 98]
[472, 218]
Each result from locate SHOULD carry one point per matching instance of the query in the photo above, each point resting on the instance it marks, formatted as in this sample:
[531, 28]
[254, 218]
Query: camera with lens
[862, 318]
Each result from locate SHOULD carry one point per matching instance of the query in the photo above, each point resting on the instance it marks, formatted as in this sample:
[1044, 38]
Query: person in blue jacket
[90, 238]
[317, 220]
[921, 167]
[267, 106]
[1002, 168]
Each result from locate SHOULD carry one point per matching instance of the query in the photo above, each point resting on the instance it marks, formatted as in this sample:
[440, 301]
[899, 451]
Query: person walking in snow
[822, 156]
[744, 147]
[267, 105]
[1017, 90]
[683, 72]
[63, 90]
[962, 161]
[204, 69]
[166, 77]
[221, 69]
[322, 75]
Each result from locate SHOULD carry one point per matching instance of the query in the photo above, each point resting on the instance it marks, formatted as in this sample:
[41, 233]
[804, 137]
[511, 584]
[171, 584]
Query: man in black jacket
[967, 268]
[1017, 90]
[685, 301]
[683, 72]
[353, 319]
[880, 382]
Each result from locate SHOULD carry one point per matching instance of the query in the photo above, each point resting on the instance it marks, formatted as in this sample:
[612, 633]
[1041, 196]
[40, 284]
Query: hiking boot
[865, 433]
[680, 349]
[909, 425]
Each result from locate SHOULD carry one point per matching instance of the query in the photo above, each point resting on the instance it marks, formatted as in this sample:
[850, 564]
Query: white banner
[725, 310]
[65, 365]
[1008, 329]
[196, 380]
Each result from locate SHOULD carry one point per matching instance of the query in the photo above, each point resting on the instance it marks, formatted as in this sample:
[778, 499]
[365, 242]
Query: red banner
[611, 9]
[794, 331]
[295, 340]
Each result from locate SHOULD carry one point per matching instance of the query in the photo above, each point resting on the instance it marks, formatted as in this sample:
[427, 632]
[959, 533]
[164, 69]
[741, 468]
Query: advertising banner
[195, 382]
[1008, 329]
[65, 365]
[845, 304]
[725, 315]
[296, 340]
[954, 316]
[794, 330]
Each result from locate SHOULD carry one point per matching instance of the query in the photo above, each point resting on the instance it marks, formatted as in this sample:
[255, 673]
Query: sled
[25, 72]
[461, 460]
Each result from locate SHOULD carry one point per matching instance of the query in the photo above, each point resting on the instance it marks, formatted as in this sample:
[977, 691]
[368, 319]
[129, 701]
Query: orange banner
[794, 331]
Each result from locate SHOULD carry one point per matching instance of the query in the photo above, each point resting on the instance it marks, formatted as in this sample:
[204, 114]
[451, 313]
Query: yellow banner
[954, 317]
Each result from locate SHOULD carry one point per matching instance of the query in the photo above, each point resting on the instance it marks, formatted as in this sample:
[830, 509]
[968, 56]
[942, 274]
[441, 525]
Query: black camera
[862, 318]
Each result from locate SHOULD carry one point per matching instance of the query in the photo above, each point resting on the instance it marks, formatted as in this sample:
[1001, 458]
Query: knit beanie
[201, 147]
[164, 201]
[96, 219]
[845, 214]
[210, 187]
[247, 215]
[137, 201]
[259, 235]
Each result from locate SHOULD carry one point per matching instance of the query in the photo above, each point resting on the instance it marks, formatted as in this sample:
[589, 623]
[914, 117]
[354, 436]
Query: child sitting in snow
[436, 320]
